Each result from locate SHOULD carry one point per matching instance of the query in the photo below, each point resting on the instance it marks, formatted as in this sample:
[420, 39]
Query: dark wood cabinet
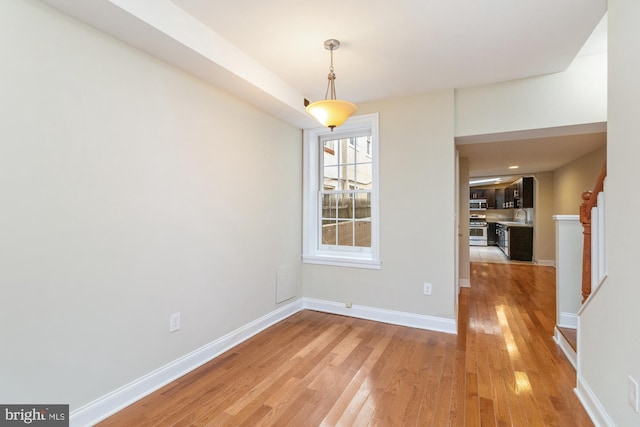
[490, 195]
[491, 234]
[518, 194]
[526, 192]
[508, 196]
[521, 243]
[499, 194]
[477, 193]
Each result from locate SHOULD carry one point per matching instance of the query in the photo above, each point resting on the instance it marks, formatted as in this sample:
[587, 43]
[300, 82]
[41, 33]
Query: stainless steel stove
[478, 230]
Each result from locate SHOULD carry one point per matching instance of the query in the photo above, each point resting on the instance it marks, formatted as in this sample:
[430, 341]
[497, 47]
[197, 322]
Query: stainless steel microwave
[478, 204]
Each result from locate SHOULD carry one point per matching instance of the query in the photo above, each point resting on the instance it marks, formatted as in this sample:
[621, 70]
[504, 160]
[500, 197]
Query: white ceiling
[271, 53]
[404, 47]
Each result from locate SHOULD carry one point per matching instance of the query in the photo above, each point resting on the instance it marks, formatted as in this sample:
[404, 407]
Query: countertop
[513, 223]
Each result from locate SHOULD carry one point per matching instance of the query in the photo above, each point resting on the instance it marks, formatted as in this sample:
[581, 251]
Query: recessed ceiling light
[514, 167]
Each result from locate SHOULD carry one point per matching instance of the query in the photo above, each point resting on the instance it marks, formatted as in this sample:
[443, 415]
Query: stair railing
[593, 220]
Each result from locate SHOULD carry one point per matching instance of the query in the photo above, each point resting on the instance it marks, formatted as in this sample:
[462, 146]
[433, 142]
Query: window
[341, 194]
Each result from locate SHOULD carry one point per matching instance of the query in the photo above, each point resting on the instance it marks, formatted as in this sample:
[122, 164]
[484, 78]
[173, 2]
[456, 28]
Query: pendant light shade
[331, 112]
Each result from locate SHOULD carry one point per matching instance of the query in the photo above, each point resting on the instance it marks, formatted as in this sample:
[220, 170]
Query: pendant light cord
[331, 87]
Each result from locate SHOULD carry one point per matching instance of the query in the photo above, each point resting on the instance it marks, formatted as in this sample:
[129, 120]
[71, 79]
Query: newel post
[589, 201]
[585, 219]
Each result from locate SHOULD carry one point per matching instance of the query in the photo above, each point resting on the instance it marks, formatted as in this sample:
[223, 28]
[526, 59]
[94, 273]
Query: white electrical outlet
[174, 322]
[633, 394]
[427, 288]
[348, 304]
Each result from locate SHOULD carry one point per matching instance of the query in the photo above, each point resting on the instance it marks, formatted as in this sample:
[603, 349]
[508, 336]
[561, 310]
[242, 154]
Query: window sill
[370, 264]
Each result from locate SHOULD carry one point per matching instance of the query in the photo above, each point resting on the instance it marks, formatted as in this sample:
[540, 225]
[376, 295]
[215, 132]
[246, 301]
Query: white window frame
[313, 251]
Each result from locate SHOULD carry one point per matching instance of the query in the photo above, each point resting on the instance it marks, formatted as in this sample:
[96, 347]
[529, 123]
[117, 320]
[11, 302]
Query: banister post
[589, 201]
[585, 219]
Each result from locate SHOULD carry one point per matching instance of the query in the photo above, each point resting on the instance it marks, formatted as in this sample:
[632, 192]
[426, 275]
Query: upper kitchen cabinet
[499, 194]
[523, 192]
[490, 195]
[477, 193]
[518, 194]
[509, 196]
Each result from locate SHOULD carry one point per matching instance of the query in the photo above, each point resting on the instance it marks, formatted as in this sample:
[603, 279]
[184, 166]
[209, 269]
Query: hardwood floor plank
[442, 407]
[358, 391]
[501, 369]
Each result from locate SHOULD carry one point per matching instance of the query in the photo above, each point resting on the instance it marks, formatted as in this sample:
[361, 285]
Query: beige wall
[571, 180]
[417, 179]
[608, 334]
[544, 243]
[464, 269]
[130, 191]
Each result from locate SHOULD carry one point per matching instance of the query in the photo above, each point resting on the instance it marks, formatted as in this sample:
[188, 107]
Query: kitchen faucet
[521, 216]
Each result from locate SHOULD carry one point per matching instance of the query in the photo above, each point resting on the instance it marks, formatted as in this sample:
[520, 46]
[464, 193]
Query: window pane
[347, 151]
[345, 206]
[363, 234]
[329, 155]
[364, 174]
[331, 178]
[345, 233]
[349, 174]
[362, 205]
[328, 232]
[329, 205]
[363, 149]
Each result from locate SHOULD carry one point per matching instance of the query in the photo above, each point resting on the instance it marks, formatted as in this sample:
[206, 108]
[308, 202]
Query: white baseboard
[596, 412]
[402, 318]
[568, 320]
[111, 403]
[565, 347]
[464, 283]
[546, 262]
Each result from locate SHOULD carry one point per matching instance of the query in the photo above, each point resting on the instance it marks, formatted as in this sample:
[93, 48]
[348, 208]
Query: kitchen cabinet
[521, 243]
[515, 240]
[525, 192]
[491, 234]
[499, 195]
[502, 238]
[490, 195]
[477, 193]
[519, 194]
[508, 197]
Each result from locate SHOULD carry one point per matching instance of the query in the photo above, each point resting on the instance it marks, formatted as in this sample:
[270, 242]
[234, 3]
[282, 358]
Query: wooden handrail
[589, 201]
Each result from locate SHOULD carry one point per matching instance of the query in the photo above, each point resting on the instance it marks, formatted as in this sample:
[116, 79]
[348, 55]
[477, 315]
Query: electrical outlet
[174, 322]
[427, 288]
[348, 304]
[633, 394]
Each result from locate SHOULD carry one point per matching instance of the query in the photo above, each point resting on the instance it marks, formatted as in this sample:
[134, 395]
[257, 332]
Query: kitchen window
[341, 221]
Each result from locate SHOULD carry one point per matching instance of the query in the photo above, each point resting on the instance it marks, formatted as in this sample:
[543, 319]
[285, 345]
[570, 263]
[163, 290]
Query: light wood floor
[502, 369]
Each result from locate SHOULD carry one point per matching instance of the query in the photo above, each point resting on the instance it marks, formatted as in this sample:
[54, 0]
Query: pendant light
[331, 112]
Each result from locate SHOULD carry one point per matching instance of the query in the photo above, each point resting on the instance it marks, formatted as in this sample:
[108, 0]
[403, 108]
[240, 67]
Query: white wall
[569, 242]
[575, 96]
[417, 180]
[129, 191]
[609, 342]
